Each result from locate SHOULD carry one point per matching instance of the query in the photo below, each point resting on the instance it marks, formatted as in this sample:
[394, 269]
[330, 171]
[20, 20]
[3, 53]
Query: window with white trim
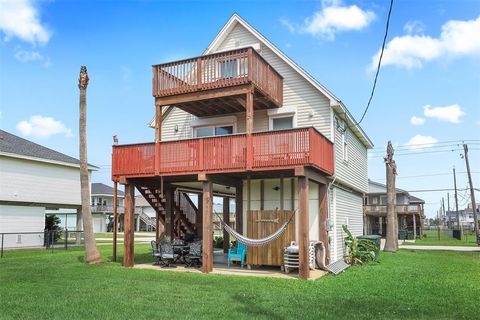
[213, 130]
[345, 145]
[282, 121]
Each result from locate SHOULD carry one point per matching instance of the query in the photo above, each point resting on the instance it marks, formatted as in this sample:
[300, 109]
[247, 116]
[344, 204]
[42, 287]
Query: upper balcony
[271, 150]
[381, 210]
[216, 83]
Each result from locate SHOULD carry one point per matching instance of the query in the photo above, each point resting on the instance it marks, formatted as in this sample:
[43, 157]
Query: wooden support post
[303, 215]
[249, 194]
[249, 128]
[226, 218]
[115, 220]
[282, 190]
[323, 220]
[157, 226]
[158, 137]
[207, 257]
[169, 214]
[128, 225]
[199, 220]
[262, 194]
[414, 226]
[292, 193]
[239, 208]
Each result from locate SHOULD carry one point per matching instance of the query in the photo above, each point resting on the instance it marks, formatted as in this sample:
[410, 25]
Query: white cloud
[43, 127]
[417, 121]
[420, 142]
[413, 26]
[458, 38]
[25, 56]
[449, 113]
[20, 19]
[331, 19]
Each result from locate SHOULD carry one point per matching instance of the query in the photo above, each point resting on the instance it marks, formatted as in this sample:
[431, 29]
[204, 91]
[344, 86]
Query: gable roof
[380, 188]
[336, 104]
[377, 187]
[14, 146]
[103, 189]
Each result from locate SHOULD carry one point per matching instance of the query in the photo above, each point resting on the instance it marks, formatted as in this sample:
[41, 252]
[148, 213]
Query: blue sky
[431, 72]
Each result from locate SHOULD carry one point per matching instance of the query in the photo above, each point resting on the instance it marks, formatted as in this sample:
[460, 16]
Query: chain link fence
[49, 239]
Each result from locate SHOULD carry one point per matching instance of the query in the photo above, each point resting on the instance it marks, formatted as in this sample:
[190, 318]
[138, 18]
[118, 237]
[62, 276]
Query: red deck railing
[218, 70]
[271, 150]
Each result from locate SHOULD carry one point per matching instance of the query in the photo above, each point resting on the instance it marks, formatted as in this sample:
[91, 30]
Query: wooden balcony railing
[271, 150]
[401, 209]
[218, 70]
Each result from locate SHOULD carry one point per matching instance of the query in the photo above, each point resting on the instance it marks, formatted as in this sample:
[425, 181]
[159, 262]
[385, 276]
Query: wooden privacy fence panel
[218, 70]
[271, 150]
[262, 223]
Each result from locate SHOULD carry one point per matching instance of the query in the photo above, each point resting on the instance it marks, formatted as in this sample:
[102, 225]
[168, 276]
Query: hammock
[255, 242]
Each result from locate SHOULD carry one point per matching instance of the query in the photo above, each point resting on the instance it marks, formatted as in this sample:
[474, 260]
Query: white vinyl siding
[346, 208]
[22, 219]
[354, 170]
[38, 182]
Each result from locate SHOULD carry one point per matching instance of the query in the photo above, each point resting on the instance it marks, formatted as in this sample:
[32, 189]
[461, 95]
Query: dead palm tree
[391, 241]
[91, 253]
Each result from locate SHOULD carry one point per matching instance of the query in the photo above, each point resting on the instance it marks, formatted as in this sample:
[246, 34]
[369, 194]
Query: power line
[421, 152]
[379, 63]
[428, 175]
[452, 142]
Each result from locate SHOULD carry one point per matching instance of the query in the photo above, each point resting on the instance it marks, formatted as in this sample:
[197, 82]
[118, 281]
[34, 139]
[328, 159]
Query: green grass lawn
[432, 239]
[120, 235]
[37, 284]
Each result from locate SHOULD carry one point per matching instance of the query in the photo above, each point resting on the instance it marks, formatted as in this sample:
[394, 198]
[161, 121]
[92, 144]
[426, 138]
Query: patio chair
[166, 255]
[155, 251]
[237, 254]
[194, 256]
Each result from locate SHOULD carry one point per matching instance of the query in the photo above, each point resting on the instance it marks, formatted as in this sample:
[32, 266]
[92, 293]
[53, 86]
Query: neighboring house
[465, 216]
[102, 206]
[245, 118]
[410, 212]
[34, 180]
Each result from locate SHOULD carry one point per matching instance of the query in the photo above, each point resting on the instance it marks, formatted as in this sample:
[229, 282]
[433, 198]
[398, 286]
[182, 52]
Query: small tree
[52, 225]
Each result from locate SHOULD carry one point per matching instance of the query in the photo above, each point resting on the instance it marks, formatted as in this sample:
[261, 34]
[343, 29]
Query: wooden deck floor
[220, 267]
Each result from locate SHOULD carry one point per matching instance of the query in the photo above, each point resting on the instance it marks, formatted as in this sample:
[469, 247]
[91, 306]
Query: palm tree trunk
[391, 241]
[91, 252]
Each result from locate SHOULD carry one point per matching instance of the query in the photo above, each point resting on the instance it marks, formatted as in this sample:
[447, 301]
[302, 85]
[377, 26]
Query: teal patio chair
[237, 254]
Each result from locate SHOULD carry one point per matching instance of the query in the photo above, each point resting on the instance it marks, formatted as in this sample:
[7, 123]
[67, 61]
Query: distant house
[34, 178]
[465, 216]
[409, 212]
[102, 206]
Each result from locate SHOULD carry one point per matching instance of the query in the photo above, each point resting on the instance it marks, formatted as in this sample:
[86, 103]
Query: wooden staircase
[185, 210]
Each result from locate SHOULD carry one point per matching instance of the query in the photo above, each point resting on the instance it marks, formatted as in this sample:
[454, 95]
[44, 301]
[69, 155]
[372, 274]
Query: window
[345, 145]
[383, 200]
[374, 200]
[282, 123]
[218, 130]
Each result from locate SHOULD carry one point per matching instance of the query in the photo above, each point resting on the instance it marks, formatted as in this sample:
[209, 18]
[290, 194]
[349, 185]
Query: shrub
[360, 251]
[218, 242]
[52, 223]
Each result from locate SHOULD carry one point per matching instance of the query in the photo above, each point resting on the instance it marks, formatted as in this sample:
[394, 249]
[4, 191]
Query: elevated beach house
[245, 121]
[35, 181]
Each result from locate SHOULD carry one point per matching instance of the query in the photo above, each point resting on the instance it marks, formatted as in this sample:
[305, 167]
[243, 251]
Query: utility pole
[438, 225]
[391, 241]
[472, 192]
[456, 198]
[444, 215]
